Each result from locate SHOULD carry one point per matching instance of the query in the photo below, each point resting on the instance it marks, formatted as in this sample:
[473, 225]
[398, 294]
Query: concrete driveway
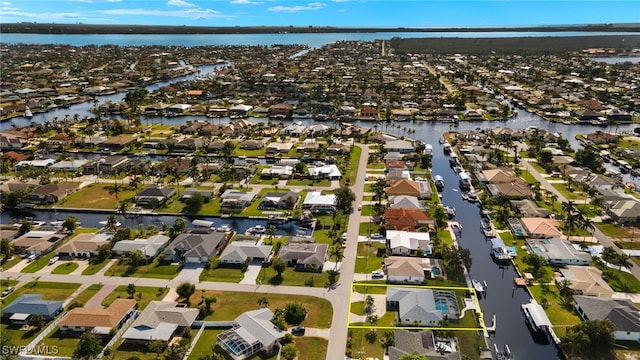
[190, 272]
[253, 270]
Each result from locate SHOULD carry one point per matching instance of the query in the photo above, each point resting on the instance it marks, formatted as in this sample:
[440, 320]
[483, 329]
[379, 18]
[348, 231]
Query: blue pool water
[441, 305]
[234, 349]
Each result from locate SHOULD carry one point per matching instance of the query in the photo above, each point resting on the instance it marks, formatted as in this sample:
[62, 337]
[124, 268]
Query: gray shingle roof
[34, 305]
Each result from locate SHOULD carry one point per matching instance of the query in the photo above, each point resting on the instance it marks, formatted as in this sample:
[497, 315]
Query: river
[502, 298]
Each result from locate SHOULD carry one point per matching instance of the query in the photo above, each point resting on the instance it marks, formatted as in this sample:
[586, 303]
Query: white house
[406, 243]
[149, 247]
[330, 172]
[317, 202]
[237, 252]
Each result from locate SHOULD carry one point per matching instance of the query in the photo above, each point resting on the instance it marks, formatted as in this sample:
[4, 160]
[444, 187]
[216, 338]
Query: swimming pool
[442, 305]
[233, 347]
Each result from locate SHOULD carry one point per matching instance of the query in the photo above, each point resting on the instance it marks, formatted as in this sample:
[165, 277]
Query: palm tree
[115, 189]
[336, 251]
[569, 207]
[112, 222]
[571, 223]
[586, 224]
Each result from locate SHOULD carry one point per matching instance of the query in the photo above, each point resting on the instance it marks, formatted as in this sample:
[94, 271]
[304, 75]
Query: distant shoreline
[46, 28]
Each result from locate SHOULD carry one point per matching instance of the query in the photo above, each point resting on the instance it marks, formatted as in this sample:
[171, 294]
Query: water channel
[502, 298]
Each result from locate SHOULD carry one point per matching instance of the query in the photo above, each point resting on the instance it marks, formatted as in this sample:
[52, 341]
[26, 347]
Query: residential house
[405, 243]
[251, 333]
[83, 246]
[338, 149]
[27, 305]
[119, 141]
[308, 147]
[586, 280]
[517, 189]
[239, 252]
[68, 165]
[330, 172]
[281, 110]
[106, 165]
[295, 131]
[497, 175]
[37, 163]
[12, 141]
[401, 146]
[160, 320]
[318, 130]
[37, 242]
[149, 247]
[558, 252]
[422, 342]
[407, 219]
[251, 145]
[529, 208]
[304, 256]
[404, 202]
[279, 200]
[236, 200]
[421, 190]
[275, 148]
[153, 196]
[540, 228]
[194, 247]
[189, 144]
[190, 192]
[282, 172]
[412, 270]
[623, 313]
[625, 211]
[418, 306]
[97, 320]
[315, 201]
[51, 193]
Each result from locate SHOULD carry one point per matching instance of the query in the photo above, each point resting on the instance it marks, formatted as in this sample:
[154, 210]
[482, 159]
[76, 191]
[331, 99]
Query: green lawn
[93, 268]
[351, 166]
[205, 344]
[619, 232]
[230, 305]
[66, 343]
[38, 264]
[222, 274]
[5, 283]
[148, 294]
[88, 293]
[311, 348]
[290, 277]
[66, 268]
[621, 281]
[569, 195]
[367, 259]
[48, 290]
[156, 269]
[309, 183]
[11, 262]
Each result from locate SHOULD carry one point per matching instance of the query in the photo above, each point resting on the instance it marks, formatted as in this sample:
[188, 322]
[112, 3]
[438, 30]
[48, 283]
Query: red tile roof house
[406, 219]
[98, 321]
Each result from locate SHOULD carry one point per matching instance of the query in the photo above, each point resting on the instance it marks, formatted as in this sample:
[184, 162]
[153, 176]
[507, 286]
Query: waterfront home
[252, 332]
[149, 247]
[514, 190]
[194, 247]
[239, 252]
[279, 200]
[401, 146]
[98, 320]
[338, 149]
[295, 131]
[422, 307]
[51, 193]
[624, 211]
[407, 219]
[304, 256]
[558, 252]
[315, 201]
[83, 246]
[308, 146]
[106, 165]
[421, 190]
[529, 208]
[37, 242]
[37, 163]
[404, 202]
[190, 192]
[538, 228]
[236, 200]
[276, 148]
[412, 270]
[119, 141]
[251, 145]
[422, 342]
[160, 320]
[26, 305]
[282, 172]
[623, 313]
[330, 172]
[585, 280]
[153, 196]
[68, 165]
[12, 141]
[497, 175]
[405, 243]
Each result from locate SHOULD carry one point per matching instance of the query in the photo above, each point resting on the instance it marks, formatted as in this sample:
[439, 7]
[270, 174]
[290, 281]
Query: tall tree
[88, 347]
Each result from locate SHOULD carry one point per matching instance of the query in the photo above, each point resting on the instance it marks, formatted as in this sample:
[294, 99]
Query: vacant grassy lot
[230, 305]
[290, 277]
[96, 196]
[155, 269]
[144, 295]
[369, 256]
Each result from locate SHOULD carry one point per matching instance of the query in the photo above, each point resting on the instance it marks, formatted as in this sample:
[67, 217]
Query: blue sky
[343, 13]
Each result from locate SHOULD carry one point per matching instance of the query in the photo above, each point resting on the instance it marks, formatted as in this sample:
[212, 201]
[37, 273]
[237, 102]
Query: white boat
[56, 223]
[478, 286]
[105, 222]
[451, 211]
[27, 113]
[224, 228]
[258, 229]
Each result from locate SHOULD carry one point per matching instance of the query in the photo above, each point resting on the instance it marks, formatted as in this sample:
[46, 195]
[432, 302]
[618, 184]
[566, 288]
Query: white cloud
[246, 2]
[292, 9]
[340, 1]
[180, 3]
[113, 1]
[187, 13]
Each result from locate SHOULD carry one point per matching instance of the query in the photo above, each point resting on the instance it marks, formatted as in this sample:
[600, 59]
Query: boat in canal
[439, 181]
[478, 286]
[499, 251]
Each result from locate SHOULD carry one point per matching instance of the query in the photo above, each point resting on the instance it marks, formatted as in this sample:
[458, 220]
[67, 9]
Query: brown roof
[404, 187]
[109, 317]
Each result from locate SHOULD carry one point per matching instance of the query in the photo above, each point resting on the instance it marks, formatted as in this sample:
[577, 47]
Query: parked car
[377, 236]
[53, 260]
[377, 274]
[344, 236]
[31, 257]
[7, 291]
[359, 207]
[298, 330]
